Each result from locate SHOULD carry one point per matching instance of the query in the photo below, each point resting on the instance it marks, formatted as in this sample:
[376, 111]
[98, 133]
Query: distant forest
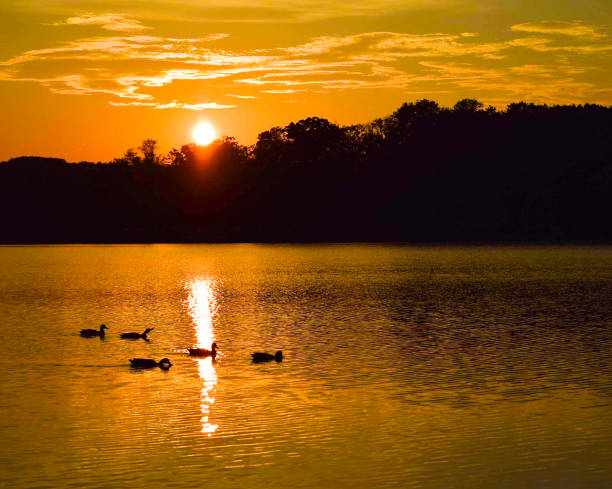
[531, 173]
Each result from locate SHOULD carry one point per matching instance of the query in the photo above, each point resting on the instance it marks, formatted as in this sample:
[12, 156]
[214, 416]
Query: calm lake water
[441, 367]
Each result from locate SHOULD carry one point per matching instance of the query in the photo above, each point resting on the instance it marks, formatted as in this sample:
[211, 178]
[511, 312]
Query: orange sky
[85, 80]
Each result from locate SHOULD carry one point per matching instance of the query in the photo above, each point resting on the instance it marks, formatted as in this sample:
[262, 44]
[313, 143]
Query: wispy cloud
[435, 45]
[167, 77]
[537, 83]
[78, 85]
[215, 37]
[94, 48]
[153, 48]
[289, 90]
[110, 22]
[248, 11]
[575, 29]
[324, 44]
[547, 45]
[174, 105]
[134, 67]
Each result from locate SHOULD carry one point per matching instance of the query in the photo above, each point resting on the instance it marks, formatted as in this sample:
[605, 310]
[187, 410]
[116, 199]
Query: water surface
[430, 367]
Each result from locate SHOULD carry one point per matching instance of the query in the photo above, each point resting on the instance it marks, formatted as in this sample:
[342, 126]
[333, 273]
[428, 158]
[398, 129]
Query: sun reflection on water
[206, 368]
[202, 304]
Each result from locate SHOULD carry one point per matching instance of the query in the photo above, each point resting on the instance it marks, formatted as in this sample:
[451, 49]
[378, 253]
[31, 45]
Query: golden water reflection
[202, 305]
[208, 374]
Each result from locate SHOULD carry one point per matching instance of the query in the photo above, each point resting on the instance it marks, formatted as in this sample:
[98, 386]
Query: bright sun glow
[204, 133]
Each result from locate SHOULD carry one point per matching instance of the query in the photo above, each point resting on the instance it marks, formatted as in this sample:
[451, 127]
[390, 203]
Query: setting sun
[204, 133]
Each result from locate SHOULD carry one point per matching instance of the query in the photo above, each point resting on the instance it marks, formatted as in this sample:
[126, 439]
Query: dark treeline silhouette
[423, 174]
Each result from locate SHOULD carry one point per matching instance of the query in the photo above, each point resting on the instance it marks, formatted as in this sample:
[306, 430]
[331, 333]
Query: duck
[89, 333]
[259, 357]
[203, 352]
[135, 336]
[164, 363]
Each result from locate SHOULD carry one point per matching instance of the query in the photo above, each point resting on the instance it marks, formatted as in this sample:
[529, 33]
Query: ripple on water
[410, 367]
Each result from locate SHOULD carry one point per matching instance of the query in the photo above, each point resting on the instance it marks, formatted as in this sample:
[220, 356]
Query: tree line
[425, 173]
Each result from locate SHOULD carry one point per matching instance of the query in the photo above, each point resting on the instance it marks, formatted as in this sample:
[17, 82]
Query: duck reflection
[202, 304]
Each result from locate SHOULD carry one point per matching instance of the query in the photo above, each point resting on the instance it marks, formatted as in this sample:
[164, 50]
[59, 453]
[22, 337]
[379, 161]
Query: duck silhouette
[203, 352]
[89, 333]
[164, 363]
[259, 357]
[135, 336]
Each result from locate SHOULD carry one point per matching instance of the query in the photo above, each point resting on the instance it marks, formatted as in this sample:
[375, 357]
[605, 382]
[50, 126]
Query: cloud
[289, 90]
[239, 11]
[397, 45]
[76, 84]
[215, 37]
[174, 105]
[537, 83]
[546, 45]
[135, 67]
[325, 44]
[575, 29]
[93, 48]
[435, 45]
[167, 77]
[117, 48]
[110, 22]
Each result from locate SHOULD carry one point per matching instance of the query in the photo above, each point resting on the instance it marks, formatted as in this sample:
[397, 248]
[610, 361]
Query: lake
[432, 367]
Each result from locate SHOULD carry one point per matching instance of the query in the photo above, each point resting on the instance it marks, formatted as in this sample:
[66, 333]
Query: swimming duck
[259, 357]
[88, 333]
[164, 363]
[203, 352]
[135, 336]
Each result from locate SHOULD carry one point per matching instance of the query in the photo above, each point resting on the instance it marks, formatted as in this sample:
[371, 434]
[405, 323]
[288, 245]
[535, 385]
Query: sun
[204, 133]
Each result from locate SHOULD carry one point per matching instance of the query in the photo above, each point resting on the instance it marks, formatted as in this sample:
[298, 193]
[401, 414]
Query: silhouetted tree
[269, 146]
[130, 157]
[409, 119]
[186, 156]
[314, 139]
[423, 173]
[468, 105]
[148, 149]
